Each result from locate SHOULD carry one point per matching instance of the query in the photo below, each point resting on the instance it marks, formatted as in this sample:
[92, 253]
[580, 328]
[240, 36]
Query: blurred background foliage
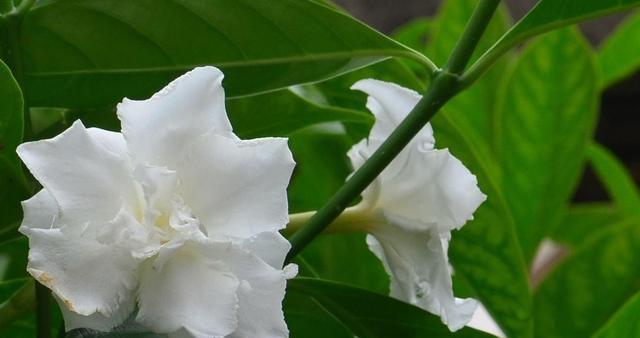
[550, 131]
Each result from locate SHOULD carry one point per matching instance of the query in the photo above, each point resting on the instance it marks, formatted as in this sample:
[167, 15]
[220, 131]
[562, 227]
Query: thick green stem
[443, 87]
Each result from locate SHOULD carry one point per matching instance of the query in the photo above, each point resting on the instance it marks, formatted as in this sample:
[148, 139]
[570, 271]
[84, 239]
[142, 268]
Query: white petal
[157, 130]
[111, 141]
[87, 276]
[40, 212]
[236, 187]
[483, 321]
[189, 291]
[419, 270]
[431, 187]
[390, 104]
[96, 321]
[261, 292]
[271, 247]
[89, 182]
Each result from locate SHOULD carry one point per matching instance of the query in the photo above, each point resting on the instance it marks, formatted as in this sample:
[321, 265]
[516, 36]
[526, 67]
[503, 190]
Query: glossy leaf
[552, 14]
[580, 222]
[543, 125]
[283, 112]
[371, 315]
[624, 323]
[590, 286]
[308, 319]
[486, 253]
[618, 57]
[98, 51]
[13, 186]
[478, 102]
[616, 180]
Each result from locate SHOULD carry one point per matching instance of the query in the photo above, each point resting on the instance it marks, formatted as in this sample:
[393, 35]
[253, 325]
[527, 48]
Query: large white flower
[175, 217]
[417, 200]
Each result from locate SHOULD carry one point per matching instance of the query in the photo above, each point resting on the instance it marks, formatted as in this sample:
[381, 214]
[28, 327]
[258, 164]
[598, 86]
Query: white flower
[175, 217]
[417, 200]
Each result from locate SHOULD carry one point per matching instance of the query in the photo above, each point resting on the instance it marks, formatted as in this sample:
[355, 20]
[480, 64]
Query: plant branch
[443, 87]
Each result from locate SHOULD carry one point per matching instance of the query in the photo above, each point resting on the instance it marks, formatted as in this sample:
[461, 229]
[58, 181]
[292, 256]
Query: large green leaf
[552, 14]
[283, 112]
[13, 186]
[371, 315]
[486, 253]
[545, 121]
[88, 53]
[308, 319]
[616, 180]
[583, 292]
[478, 102]
[618, 57]
[580, 222]
[624, 324]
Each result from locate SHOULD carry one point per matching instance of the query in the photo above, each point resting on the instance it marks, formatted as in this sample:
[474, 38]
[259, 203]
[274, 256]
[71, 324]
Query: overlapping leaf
[543, 126]
[98, 51]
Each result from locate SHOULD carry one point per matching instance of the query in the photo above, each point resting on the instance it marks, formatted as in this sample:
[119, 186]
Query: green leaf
[585, 290]
[17, 299]
[543, 125]
[618, 57]
[13, 258]
[371, 315]
[283, 112]
[308, 319]
[99, 51]
[477, 103]
[580, 222]
[624, 323]
[13, 186]
[413, 34]
[552, 14]
[486, 253]
[616, 180]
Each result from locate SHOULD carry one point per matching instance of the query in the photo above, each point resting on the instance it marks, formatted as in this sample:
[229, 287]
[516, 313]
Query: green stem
[443, 87]
[353, 219]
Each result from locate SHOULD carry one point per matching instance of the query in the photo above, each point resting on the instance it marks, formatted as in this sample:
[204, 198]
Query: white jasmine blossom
[417, 200]
[175, 217]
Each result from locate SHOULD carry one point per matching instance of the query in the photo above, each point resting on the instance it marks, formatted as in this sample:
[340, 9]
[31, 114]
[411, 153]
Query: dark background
[619, 115]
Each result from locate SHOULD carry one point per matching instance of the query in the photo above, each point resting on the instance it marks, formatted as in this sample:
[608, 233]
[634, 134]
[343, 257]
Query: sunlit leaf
[546, 119]
[615, 179]
[618, 57]
[591, 285]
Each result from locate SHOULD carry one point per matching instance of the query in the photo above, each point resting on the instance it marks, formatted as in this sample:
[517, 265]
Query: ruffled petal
[189, 291]
[87, 276]
[271, 247]
[390, 104]
[419, 269]
[88, 182]
[432, 187]
[157, 130]
[97, 321]
[40, 211]
[260, 295]
[237, 187]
